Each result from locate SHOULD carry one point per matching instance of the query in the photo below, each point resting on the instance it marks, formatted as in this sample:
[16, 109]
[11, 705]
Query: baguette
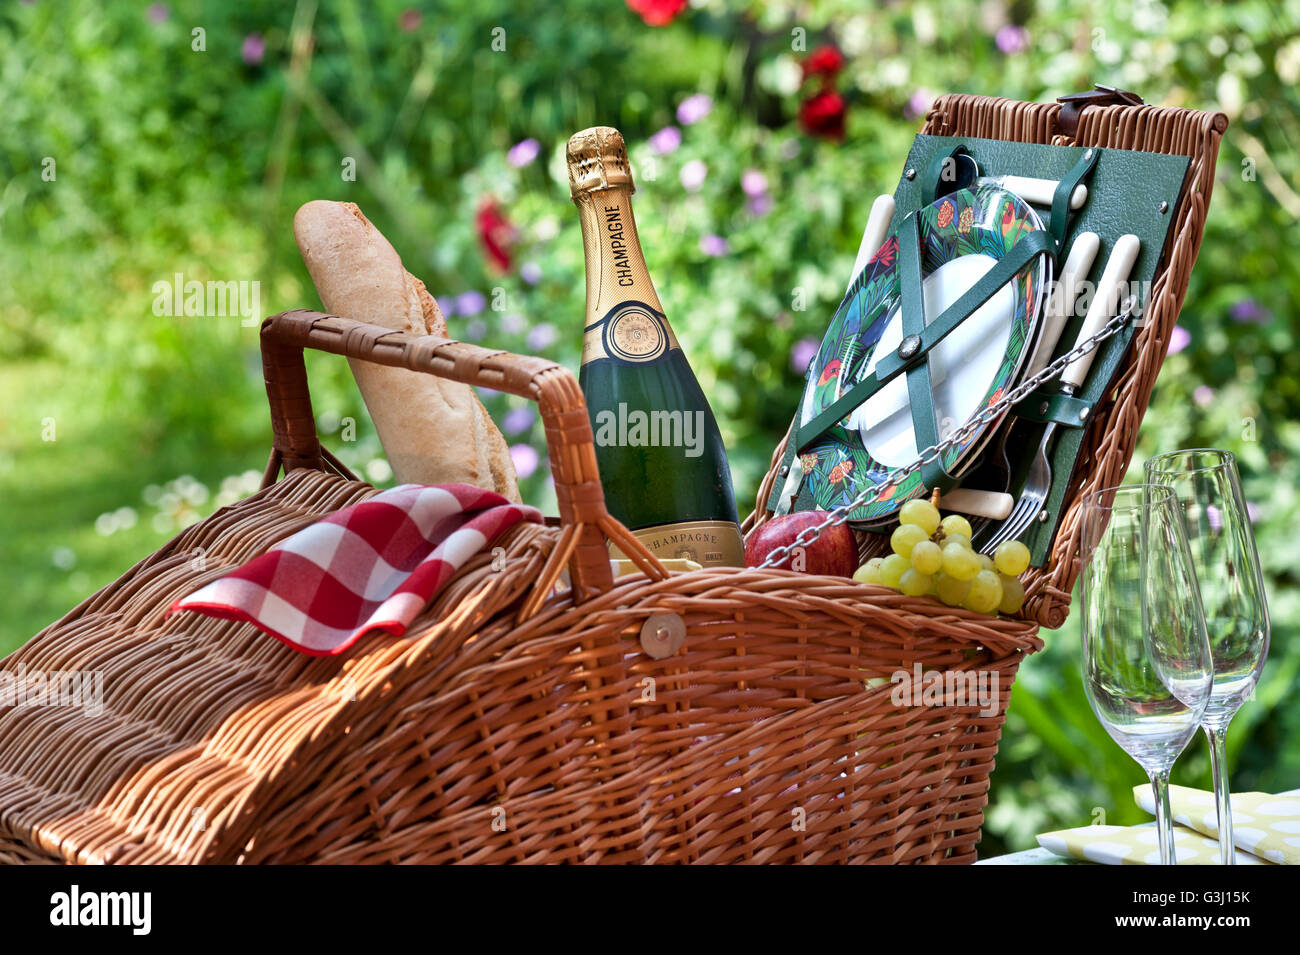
[434, 431]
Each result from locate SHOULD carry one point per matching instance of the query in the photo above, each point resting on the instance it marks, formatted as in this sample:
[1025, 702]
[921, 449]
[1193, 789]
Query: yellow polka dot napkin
[1263, 825]
[1136, 845]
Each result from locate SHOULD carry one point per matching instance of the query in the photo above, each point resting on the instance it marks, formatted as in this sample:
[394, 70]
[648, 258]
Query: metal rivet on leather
[909, 346]
[911, 174]
[1164, 207]
[1042, 409]
[662, 635]
[1083, 414]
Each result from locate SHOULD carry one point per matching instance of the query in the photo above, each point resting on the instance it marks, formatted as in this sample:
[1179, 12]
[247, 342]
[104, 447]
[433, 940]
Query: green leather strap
[1048, 405]
[1060, 216]
[1038, 242]
[943, 160]
[920, 392]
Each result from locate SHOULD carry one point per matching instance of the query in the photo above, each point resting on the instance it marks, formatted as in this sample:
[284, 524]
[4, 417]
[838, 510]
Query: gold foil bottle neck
[598, 160]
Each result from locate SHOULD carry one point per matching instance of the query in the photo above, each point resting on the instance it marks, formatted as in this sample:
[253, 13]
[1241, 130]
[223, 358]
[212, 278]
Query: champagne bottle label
[710, 543]
[631, 332]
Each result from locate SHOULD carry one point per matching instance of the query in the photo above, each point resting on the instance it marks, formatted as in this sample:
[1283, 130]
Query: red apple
[834, 553]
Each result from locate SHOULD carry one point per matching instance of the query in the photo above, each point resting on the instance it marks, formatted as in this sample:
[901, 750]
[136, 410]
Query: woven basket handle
[585, 521]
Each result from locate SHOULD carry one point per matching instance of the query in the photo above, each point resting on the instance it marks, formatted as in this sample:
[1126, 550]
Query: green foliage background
[168, 159]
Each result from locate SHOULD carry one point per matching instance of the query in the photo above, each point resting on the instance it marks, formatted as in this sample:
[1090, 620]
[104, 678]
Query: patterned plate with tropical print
[963, 235]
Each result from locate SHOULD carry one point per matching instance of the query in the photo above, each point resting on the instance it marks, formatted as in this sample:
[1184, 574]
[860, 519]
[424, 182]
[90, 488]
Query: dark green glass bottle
[662, 461]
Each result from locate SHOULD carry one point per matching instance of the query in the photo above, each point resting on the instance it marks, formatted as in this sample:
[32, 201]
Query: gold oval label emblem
[635, 334]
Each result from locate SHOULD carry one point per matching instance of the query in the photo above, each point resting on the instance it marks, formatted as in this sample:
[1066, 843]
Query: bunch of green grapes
[935, 557]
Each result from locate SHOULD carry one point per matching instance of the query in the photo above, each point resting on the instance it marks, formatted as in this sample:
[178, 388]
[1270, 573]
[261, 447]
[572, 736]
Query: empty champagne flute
[1223, 551]
[1146, 660]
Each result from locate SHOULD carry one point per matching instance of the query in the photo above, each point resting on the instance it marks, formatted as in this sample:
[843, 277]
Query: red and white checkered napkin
[372, 566]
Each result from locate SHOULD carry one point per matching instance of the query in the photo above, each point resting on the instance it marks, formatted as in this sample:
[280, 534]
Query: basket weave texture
[513, 725]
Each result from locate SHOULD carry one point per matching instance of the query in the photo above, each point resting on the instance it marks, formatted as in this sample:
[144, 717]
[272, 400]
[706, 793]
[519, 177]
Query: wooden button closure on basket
[662, 635]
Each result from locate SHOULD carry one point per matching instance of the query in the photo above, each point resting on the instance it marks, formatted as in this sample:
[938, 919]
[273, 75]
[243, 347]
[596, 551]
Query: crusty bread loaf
[434, 431]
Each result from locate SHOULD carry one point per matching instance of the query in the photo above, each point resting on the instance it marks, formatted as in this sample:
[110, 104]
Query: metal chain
[841, 514]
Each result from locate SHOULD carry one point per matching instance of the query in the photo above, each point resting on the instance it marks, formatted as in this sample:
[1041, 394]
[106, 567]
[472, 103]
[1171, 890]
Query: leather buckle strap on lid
[1073, 105]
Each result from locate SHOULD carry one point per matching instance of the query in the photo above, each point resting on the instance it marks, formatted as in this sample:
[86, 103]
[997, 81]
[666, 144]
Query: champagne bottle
[661, 457]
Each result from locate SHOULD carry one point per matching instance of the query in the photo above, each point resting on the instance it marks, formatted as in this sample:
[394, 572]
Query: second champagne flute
[1223, 550]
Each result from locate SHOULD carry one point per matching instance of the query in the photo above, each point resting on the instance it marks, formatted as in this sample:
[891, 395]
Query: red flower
[823, 115]
[495, 233]
[887, 252]
[657, 13]
[824, 61]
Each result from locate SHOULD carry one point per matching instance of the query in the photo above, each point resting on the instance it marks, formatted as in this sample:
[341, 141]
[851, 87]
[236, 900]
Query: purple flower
[713, 245]
[254, 49]
[525, 458]
[447, 306]
[917, 104]
[513, 324]
[1203, 395]
[666, 140]
[541, 336]
[475, 329]
[530, 272]
[470, 303]
[1214, 517]
[523, 152]
[693, 175]
[759, 205]
[518, 420]
[409, 21]
[1252, 512]
[753, 182]
[803, 352]
[1249, 310]
[1012, 39]
[694, 108]
[1179, 339]
[159, 12]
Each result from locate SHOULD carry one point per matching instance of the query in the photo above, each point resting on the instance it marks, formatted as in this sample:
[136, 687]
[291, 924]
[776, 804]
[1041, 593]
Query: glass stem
[1218, 736]
[1164, 818]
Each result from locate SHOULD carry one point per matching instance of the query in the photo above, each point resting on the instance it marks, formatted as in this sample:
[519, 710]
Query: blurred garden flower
[495, 234]
[1252, 512]
[825, 61]
[525, 458]
[409, 21]
[713, 245]
[513, 323]
[1179, 339]
[1012, 39]
[666, 140]
[759, 205]
[790, 149]
[254, 49]
[694, 108]
[530, 272]
[822, 114]
[518, 420]
[541, 337]
[917, 104]
[159, 12]
[1203, 395]
[523, 152]
[657, 13]
[693, 175]
[753, 182]
[447, 306]
[1249, 310]
[469, 303]
[475, 329]
[803, 352]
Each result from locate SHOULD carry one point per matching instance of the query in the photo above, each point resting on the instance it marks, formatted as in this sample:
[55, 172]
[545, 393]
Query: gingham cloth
[372, 566]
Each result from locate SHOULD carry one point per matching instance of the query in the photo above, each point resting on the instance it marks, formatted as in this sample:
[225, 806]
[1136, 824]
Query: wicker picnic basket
[518, 725]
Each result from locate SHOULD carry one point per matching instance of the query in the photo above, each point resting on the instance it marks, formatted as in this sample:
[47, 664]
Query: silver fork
[1039, 479]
